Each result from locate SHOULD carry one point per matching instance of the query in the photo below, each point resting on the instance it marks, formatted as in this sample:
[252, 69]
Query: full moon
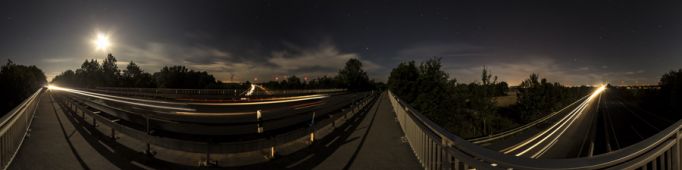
[102, 42]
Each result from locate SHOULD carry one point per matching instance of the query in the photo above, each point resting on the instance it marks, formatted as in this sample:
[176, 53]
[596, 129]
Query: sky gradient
[572, 42]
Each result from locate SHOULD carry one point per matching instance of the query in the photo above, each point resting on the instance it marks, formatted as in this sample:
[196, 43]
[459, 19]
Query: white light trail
[114, 98]
[251, 90]
[561, 126]
[184, 110]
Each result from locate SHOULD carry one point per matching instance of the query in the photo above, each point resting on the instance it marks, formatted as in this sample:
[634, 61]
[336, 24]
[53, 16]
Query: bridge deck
[372, 141]
[54, 143]
[374, 144]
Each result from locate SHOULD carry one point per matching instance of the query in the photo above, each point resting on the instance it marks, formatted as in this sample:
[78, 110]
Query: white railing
[436, 148]
[14, 128]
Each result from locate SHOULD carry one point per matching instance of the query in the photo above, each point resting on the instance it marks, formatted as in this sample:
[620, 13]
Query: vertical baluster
[439, 156]
[654, 164]
[668, 165]
[455, 163]
[429, 160]
[676, 152]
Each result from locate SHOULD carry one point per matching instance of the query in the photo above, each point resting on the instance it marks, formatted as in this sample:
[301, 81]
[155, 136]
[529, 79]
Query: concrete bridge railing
[436, 148]
[14, 127]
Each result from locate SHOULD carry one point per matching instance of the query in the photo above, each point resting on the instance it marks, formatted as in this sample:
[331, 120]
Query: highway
[599, 123]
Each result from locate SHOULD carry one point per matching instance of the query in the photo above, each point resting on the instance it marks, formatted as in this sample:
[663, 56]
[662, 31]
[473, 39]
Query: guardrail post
[312, 129]
[259, 119]
[94, 121]
[148, 150]
[113, 131]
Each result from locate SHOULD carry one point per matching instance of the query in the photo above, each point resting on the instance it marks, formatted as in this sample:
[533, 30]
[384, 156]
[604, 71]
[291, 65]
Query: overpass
[57, 130]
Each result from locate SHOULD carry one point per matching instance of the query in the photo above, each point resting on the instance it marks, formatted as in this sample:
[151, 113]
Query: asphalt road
[603, 124]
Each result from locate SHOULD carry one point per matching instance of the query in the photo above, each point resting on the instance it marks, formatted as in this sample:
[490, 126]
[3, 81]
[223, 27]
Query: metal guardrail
[14, 127]
[319, 129]
[436, 148]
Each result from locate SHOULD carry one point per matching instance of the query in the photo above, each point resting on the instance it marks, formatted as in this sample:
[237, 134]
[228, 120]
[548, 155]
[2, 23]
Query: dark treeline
[469, 109]
[351, 77]
[537, 97]
[92, 74]
[666, 100]
[18, 82]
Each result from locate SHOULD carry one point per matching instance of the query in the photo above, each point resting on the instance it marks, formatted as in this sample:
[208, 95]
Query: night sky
[572, 42]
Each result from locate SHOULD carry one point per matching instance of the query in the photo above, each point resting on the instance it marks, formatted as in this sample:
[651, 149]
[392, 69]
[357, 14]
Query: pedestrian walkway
[374, 144]
[54, 143]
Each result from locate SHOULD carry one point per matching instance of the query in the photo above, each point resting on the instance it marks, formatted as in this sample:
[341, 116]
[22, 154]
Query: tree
[403, 80]
[133, 76]
[18, 83]
[293, 82]
[353, 77]
[90, 74]
[671, 91]
[537, 97]
[110, 72]
[182, 77]
[432, 90]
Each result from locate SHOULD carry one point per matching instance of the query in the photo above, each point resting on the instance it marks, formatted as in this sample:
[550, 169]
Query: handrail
[437, 148]
[14, 126]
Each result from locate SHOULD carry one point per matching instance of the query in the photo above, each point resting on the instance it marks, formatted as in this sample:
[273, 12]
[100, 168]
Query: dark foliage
[465, 109]
[353, 78]
[182, 77]
[538, 97]
[18, 83]
[671, 92]
[92, 74]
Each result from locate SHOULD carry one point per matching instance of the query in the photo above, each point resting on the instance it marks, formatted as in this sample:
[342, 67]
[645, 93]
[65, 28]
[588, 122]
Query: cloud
[59, 60]
[465, 63]
[325, 56]
[325, 59]
[515, 72]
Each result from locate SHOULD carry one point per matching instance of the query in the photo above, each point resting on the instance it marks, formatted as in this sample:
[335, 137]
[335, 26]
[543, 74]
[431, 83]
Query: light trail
[52, 87]
[185, 110]
[561, 127]
[283, 100]
[251, 90]
[278, 100]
